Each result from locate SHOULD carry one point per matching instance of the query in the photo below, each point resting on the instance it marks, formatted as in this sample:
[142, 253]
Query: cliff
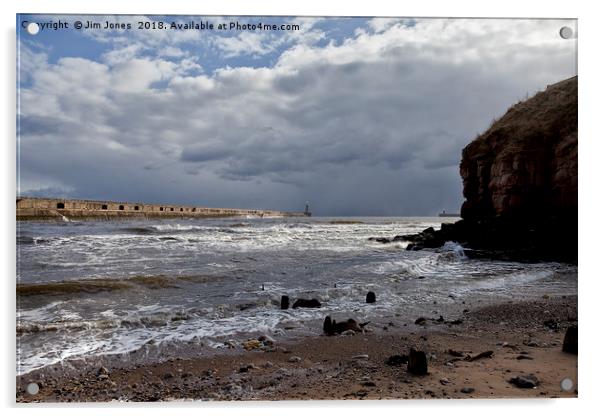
[520, 183]
[525, 164]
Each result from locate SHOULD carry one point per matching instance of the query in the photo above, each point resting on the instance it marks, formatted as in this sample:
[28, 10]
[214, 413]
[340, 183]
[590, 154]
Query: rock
[551, 324]
[167, 376]
[307, 303]
[233, 387]
[266, 340]
[103, 376]
[520, 183]
[347, 333]
[420, 321]
[397, 360]
[327, 326]
[417, 362]
[570, 340]
[454, 353]
[252, 344]
[524, 382]
[230, 343]
[524, 357]
[383, 240]
[332, 327]
[485, 354]
[294, 359]
[102, 370]
[360, 357]
[444, 381]
[246, 368]
[284, 301]
[370, 297]
[467, 390]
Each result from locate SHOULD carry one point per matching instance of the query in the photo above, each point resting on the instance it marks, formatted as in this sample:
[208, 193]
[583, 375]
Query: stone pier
[54, 208]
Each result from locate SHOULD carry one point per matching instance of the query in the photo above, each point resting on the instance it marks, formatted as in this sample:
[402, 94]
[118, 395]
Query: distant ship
[445, 214]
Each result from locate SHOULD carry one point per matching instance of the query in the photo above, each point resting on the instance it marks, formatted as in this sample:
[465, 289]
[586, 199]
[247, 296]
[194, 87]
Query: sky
[358, 116]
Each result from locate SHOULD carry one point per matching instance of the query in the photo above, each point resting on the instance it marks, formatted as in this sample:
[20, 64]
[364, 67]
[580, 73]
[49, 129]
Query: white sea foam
[300, 258]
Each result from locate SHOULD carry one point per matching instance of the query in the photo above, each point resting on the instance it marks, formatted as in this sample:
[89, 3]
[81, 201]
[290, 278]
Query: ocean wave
[28, 240]
[172, 230]
[90, 286]
[177, 227]
[239, 225]
[145, 317]
[139, 230]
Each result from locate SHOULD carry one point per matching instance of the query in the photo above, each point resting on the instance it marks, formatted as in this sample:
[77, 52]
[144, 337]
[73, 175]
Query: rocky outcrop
[525, 164]
[520, 183]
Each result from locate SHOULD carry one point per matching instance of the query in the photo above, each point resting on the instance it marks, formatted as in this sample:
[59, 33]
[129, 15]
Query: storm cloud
[369, 125]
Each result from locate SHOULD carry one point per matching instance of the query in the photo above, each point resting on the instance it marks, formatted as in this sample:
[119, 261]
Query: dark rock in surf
[370, 297]
[383, 240]
[417, 363]
[570, 340]
[284, 302]
[327, 326]
[307, 303]
[420, 321]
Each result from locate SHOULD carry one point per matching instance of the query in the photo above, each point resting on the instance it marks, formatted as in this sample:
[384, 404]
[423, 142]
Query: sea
[96, 288]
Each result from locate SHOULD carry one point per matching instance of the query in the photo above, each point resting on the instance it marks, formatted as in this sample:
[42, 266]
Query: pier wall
[54, 208]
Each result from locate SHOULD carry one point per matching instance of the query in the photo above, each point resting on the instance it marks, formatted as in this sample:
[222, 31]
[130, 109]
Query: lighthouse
[307, 212]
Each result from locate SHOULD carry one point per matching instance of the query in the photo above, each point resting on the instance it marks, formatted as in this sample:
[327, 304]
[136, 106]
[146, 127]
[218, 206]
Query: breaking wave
[90, 286]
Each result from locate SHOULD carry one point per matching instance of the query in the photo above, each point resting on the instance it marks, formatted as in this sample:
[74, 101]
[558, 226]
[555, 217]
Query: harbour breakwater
[29, 208]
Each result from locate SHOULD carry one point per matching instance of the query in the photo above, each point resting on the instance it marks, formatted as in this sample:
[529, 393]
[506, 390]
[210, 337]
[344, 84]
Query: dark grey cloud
[371, 126]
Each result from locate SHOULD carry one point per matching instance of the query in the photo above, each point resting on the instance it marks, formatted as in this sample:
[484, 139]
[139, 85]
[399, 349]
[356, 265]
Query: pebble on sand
[524, 382]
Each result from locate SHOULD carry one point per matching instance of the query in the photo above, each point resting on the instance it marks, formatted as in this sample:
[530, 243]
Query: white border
[590, 98]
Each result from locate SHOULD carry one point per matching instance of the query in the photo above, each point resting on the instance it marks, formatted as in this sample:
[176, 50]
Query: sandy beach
[524, 338]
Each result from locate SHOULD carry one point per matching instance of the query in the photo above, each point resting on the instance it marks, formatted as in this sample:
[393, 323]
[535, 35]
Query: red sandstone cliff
[520, 184]
[525, 164]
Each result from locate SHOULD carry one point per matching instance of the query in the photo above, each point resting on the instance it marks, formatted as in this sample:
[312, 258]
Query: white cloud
[374, 124]
[246, 43]
[380, 24]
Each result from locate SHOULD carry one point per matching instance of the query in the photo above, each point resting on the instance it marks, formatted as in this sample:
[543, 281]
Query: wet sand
[525, 338]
